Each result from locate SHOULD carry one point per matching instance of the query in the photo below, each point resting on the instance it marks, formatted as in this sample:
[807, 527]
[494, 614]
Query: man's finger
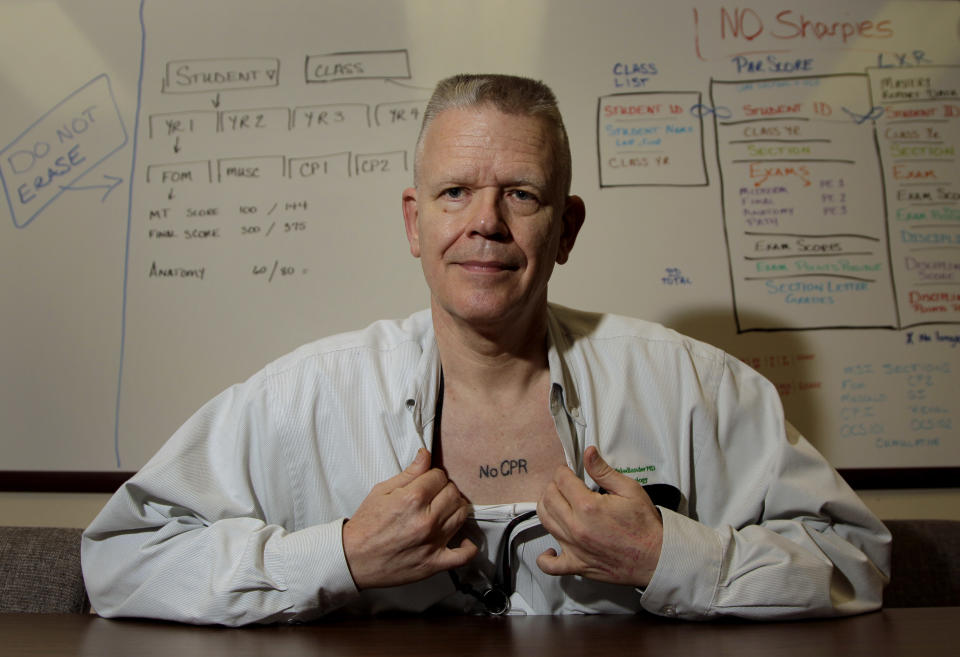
[417, 467]
[450, 525]
[447, 499]
[450, 509]
[569, 496]
[423, 490]
[560, 514]
[553, 507]
[552, 563]
[456, 557]
[420, 477]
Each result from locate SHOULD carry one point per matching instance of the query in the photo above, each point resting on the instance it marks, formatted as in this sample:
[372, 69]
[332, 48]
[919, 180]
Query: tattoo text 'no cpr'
[506, 468]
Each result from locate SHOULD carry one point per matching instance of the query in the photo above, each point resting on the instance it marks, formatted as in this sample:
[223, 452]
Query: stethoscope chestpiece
[495, 601]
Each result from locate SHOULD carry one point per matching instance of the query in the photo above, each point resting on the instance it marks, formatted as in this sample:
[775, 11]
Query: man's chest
[497, 456]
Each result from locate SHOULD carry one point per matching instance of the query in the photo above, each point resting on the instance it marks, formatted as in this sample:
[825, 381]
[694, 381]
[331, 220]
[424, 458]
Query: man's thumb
[420, 463]
[606, 476]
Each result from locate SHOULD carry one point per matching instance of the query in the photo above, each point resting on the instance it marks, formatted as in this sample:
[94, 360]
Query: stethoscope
[495, 598]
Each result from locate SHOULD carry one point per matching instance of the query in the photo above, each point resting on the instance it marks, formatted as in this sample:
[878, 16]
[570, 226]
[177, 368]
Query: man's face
[487, 218]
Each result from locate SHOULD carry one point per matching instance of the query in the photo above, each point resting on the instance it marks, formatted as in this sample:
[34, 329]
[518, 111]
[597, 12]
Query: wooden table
[907, 632]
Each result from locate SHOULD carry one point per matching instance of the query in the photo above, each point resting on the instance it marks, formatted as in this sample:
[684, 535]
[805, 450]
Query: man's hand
[400, 532]
[611, 538]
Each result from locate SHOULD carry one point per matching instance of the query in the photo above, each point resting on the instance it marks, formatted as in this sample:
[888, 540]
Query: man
[467, 458]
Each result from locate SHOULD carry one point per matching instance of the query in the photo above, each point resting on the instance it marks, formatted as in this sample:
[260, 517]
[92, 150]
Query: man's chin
[490, 315]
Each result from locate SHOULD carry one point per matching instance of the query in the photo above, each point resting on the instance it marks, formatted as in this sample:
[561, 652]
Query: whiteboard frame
[60, 481]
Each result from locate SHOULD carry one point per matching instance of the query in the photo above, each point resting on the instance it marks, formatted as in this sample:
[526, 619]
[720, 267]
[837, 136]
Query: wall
[223, 172]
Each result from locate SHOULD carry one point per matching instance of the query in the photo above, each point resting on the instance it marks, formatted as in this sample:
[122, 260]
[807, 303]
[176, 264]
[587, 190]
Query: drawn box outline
[406, 64]
[93, 165]
[355, 164]
[300, 108]
[167, 89]
[150, 167]
[699, 119]
[738, 319]
[162, 115]
[291, 162]
[222, 160]
[871, 73]
[222, 113]
[378, 106]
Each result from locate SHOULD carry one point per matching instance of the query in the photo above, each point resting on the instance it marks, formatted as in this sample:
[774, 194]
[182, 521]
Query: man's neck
[492, 361]
[495, 410]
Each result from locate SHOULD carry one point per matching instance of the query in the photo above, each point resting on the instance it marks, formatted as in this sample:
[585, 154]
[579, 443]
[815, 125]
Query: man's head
[511, 95]
[489, 216]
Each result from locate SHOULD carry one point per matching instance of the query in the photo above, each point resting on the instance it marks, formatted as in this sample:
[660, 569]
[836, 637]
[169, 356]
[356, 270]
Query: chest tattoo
[506, 468]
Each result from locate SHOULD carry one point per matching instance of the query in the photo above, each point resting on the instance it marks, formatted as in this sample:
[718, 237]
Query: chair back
[925, 569]
[40, 570]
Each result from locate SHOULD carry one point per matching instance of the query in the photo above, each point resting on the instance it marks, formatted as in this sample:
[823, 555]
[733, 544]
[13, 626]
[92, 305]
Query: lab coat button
[669, 611]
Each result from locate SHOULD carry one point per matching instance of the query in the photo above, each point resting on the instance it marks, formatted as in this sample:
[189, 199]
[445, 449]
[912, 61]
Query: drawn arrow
[874, 114]
[112, 183]
[216, 101]
[170, 195]
[176, 145]
[408, 86]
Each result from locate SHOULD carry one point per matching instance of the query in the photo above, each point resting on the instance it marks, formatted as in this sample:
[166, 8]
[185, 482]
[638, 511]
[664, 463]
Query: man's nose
[487, 219]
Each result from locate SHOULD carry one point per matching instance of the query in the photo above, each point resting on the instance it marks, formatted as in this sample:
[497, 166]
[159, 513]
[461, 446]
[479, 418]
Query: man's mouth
[487, 266]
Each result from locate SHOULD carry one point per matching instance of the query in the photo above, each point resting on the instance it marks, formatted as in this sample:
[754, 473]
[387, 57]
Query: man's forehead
[462, 139]
[486, 122]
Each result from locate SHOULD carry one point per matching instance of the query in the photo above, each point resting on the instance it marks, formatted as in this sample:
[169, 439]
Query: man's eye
[453, 193]
[523, 197]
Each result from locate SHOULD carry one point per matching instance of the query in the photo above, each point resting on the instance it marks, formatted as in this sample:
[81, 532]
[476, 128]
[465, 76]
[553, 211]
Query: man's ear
[411, 214]
[573, 216]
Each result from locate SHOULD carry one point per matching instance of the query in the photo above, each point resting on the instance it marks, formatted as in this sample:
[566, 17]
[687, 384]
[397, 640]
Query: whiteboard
[192, 189]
